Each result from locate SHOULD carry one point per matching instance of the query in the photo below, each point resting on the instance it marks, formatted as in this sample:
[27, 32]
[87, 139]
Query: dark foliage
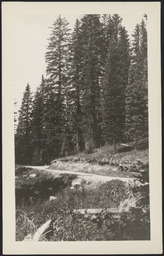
[95, 92]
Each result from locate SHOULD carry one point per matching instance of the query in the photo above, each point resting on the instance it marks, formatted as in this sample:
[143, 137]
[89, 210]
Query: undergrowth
[130, 222]
[104, 162]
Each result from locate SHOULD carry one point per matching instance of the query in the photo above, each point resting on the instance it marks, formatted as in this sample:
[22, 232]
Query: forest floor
[102, 182]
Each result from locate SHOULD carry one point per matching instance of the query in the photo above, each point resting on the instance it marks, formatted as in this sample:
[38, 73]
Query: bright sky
[29, 28]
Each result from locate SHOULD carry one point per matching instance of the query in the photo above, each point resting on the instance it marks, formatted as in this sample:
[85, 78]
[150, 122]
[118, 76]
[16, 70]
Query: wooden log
[96, 211]
[125, 145]
[125, 148]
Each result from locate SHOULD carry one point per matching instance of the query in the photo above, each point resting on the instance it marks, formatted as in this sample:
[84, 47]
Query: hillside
[104, 161]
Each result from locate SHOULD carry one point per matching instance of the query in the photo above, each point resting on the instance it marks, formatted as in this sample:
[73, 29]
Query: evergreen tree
[23, 138]
[38, 132]
[114, 83]
[137, 91]
[123, 75]
[56, 94]
[108, 30]
[75, 88]
[90, 74]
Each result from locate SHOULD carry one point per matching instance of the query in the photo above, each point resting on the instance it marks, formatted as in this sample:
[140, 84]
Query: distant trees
[23, 145]
[95, 91]
[38, 133]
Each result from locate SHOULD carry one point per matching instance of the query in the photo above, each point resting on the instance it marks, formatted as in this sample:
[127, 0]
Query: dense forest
[95, 91]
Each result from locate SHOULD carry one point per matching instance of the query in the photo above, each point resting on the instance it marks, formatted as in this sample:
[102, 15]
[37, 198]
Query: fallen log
[38, 234]
[96, 211]
[125, 145]
[124, 207]
[125, 148]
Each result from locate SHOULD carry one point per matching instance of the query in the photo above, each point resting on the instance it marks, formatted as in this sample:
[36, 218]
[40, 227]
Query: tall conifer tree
[115, 81]
[57, 66]
[91, 43]
[75, 87]
[137, 91]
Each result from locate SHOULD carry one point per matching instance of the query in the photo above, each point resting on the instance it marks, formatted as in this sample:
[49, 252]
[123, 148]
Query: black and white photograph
[80, 88]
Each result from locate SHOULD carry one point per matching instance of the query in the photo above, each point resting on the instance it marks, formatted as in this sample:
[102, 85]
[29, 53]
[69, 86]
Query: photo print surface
[81, 129]
[81, 122]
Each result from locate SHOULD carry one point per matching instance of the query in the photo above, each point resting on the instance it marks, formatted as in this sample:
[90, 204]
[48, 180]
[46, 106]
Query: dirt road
[94, 178]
